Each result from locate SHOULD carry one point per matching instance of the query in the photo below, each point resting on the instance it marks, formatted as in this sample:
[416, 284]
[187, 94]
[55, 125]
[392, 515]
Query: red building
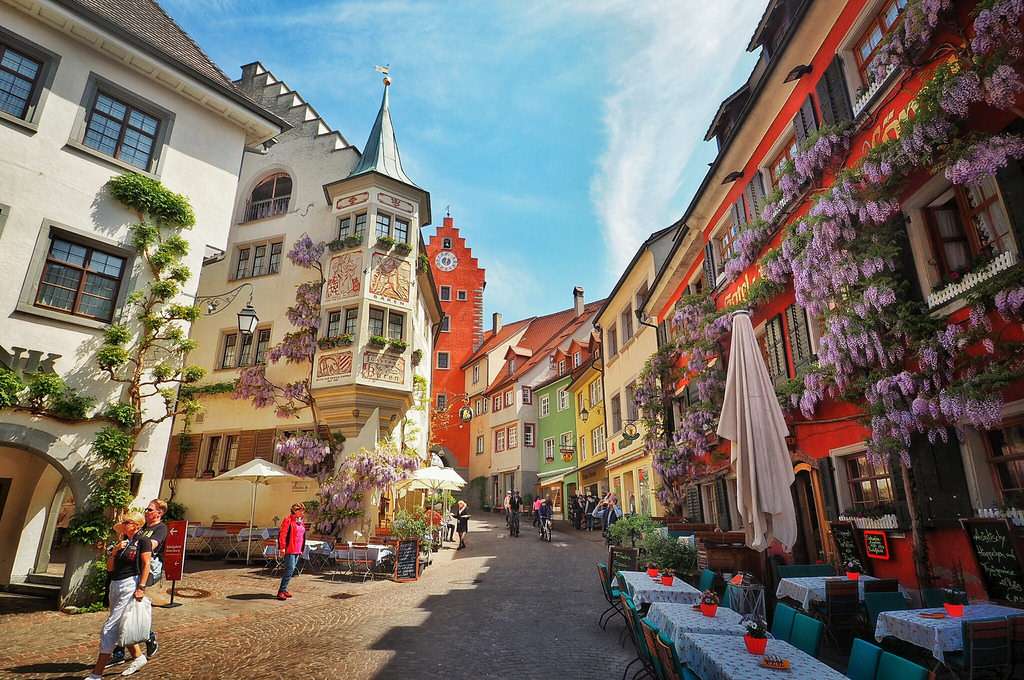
[829, 119]
[460, 284]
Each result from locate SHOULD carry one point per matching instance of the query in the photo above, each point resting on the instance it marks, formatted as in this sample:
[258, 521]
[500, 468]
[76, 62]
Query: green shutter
[775, 347]
[799, 336]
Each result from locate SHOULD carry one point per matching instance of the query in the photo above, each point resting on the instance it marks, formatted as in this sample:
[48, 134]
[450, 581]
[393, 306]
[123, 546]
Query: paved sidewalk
[502, 608]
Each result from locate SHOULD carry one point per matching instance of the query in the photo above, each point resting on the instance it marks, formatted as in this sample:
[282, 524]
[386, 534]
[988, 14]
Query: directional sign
[174, 549]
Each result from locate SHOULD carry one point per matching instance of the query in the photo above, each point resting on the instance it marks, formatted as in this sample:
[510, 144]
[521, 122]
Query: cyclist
[515, 505]
[545, 513]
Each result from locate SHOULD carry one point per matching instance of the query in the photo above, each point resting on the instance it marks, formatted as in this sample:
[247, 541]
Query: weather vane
[386, 70]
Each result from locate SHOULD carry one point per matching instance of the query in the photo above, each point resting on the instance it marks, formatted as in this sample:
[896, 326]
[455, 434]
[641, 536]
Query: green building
[556, 436]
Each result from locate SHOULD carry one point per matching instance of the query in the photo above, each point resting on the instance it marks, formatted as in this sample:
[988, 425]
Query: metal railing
[271, 207]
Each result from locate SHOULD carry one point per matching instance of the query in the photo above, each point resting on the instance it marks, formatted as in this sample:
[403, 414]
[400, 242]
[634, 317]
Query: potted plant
[953, 600]
[422, 264]
[756, 637]
[378, 341]
[403, 248]
[398, 345]
[667, 576]
[385, 242]
[854, 569]
[417, 357]
[652, 570]
[709, 603]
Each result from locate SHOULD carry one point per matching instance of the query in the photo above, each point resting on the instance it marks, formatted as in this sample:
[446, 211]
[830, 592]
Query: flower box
[336, 341]
[666, 579]
[385, 242]
[954, 610]
[343, 243]
[398, 345]
[708, 610]
[378, 341]
[403, 248]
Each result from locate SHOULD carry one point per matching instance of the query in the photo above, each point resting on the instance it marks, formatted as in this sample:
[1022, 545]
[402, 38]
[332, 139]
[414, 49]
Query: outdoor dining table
[675, 620]
[808, 589]
[725, 657]
[374, 552]
[644, 589]
[939, 636]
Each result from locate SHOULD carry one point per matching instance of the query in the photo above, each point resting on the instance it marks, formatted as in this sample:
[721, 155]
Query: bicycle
[545, 530]
[512, 520]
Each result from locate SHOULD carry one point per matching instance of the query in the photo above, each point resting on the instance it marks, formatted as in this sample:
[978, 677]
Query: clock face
[446, 261]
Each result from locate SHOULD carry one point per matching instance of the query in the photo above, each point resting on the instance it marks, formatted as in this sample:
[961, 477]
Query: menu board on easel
[622, 559]
[848, 547]
[407, 561]
[1000, 562]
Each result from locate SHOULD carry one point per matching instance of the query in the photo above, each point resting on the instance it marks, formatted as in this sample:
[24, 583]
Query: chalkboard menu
[622, 559]
[1001, 564]
[844, 534]
[407, 560]
[876, 543]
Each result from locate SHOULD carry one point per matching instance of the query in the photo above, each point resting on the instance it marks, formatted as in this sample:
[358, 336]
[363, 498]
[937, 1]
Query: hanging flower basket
[403, 248]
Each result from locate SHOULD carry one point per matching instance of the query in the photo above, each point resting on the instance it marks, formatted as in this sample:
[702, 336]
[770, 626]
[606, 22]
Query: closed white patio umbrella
[752, 420]
[257, 471]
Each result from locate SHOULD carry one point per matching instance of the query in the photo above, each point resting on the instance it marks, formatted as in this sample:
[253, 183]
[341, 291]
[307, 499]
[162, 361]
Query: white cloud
[669, 68]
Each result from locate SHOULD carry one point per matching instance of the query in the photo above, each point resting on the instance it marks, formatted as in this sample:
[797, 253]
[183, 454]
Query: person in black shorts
[156, 531]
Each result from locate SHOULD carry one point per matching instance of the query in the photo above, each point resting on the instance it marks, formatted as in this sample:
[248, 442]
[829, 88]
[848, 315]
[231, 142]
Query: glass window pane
[15, 92]
[283, 186]
[350, 320]
[333, 324]
[99, 307]
[396, 323]
[264, 191]
[360, 224]
[245, 355]
[72, 253]
[111, 107]
[20, 63]
[383, 225]
[136, 149]
[884, 485]
[228, 357]
[1011, 474]
[376, 325]
[100, 286]
[344, 227]
[102, 134]
[106, 264]
[60, 275]
[144, 122]
[261, 346]
[52, 296]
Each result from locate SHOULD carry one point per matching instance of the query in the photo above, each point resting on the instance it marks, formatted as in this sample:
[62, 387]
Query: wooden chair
[987, 650]
[630, 613]
[841, 610]
[669, 660]
[650, 633]
[882, 585]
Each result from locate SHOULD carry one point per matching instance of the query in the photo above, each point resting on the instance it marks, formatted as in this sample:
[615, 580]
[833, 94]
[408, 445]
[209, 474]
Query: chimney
[496, 323]
[577, 300]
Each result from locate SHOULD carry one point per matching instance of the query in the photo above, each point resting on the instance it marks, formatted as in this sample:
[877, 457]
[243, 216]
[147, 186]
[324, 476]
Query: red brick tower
[460, 283]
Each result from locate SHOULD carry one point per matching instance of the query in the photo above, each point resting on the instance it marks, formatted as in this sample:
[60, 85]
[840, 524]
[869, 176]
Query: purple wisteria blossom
[998, 27]
[985, 158]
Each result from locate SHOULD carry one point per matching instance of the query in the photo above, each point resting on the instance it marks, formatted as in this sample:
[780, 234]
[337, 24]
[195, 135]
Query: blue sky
[561, 133]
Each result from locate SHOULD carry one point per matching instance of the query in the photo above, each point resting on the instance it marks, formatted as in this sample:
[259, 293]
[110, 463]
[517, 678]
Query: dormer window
[577, 359]
[270, 198]
[511, 366]
[561, 367]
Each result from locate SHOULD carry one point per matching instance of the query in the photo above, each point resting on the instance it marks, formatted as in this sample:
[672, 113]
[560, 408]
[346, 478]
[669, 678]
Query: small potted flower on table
[667, 576]
[652, 570]
[854, 569]
[709, 603]
[756, 637]
[954, 599]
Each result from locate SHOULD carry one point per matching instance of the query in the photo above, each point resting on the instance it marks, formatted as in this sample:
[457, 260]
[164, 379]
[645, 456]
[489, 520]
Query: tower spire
[380, 154]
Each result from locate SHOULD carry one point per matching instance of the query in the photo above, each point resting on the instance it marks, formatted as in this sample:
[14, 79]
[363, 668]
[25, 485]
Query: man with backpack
[156, 531]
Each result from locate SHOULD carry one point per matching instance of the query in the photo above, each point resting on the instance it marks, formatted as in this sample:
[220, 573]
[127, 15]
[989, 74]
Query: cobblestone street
[502, 608]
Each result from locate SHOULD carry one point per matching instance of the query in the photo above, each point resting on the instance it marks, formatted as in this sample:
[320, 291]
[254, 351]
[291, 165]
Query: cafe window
[80, 279]
[967, 224]
[1006, 458]
[867, 46]
[775, 167]
[870, 482]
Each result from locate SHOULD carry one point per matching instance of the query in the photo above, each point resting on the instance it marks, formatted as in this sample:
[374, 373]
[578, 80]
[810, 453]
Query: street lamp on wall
[247, 318]
[584, 415]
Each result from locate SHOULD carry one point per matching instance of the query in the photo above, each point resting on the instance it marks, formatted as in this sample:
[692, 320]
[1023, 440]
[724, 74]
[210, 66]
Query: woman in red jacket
[291, 541]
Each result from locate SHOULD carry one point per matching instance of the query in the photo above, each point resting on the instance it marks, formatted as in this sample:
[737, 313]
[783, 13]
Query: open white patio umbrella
[434, 479]
[257, 471]
[752, 420]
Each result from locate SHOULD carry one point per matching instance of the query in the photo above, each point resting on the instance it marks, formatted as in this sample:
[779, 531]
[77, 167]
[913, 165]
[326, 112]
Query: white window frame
[595, 394]
[527, 394]
[499, 440]
[476, 373]
[510, 398]
[582, 451]
[598, 436]
[512, 436]
[444, 293]
[549, 448]
[529, 435]
[480, 445]
[563, 399]
[461, 295]
[545, 406]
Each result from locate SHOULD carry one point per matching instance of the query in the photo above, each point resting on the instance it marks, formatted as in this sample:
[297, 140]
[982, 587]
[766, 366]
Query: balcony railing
[1002, 261]
[271, 207]
[868, 93]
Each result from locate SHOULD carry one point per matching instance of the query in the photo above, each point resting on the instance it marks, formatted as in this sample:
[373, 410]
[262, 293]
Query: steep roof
[490, 340]
[145, 24]
[544, 334]
[381, 151]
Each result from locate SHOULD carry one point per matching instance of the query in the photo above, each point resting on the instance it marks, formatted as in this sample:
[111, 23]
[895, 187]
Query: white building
[312, 181]
[88, 91]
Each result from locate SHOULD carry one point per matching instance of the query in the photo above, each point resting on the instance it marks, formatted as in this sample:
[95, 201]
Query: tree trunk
[917, 536]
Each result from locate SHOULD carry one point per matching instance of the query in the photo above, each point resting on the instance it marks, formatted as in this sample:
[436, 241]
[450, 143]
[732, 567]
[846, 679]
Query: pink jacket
[292, 538]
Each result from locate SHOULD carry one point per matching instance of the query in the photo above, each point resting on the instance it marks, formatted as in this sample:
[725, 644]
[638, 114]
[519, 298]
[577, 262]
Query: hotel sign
[31, 362]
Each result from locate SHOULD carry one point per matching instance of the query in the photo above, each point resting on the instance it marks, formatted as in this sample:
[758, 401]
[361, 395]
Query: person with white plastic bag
[128, 564]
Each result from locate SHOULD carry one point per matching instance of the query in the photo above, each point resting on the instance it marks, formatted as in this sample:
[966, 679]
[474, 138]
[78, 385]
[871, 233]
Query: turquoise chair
[820, 570]
[707, 580]
[806, 634]
[611, 594]
[649, 633]
[863, 660]
[791, 570]
[876, 603]
[782, 622]
[892, 667]
[670, 663]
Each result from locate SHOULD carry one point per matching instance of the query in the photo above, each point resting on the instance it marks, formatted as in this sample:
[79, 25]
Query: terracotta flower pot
[954, 609]
[853, 575]
[652, 572]
[708, 609]
[666, 579]
[755, 645]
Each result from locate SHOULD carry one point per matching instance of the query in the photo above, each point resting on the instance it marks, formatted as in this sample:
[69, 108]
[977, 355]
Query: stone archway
[39, 463]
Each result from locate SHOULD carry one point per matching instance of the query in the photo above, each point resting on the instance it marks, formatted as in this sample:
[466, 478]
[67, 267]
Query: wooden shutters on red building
[805, 122]
[799, 336]
[710, 271]
[774, 347]
[833, 94]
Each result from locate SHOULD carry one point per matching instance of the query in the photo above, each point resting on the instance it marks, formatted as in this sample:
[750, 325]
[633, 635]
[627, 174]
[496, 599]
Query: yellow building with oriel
[587, 394]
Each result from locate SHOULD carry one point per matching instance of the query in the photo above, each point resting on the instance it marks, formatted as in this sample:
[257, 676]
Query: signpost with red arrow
[174, 555]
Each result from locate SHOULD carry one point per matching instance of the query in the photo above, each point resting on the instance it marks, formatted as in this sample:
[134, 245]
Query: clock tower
[460, 284]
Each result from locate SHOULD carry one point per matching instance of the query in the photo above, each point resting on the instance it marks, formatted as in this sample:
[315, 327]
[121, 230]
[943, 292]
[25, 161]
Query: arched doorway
[810, 546]
[42, 481]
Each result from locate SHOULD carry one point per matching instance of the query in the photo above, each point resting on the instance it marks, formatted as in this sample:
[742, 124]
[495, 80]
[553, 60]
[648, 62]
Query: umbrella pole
[252, 513]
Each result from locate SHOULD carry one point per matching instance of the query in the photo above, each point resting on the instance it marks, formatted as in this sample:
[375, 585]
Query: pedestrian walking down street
[612, 513]
[537, 502]
[128, 566]
[291, 541]
[461, 514]
[579, 504]
[588, 511]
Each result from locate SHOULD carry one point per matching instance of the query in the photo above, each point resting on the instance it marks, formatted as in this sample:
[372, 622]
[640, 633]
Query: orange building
[460, 283]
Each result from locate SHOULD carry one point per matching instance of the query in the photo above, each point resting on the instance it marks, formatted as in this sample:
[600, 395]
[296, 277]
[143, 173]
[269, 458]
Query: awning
[554, 476]
[504, 470]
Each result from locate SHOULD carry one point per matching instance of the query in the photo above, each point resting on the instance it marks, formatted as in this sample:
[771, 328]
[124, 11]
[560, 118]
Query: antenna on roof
[448, 210]
[386, 70]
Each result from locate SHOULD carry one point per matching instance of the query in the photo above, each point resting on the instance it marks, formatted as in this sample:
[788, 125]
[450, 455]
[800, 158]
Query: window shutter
[907, 268]
[828, 488]
[799, 336]
[739, 215]
[939, 481]
[756, 188]
[833, 95]
[776, 349]
[722, 494]
[710, 274]
[693, 508]
[805, 122]
[246, 446]
[265, 440]
[749, 201]
[1011, 185]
